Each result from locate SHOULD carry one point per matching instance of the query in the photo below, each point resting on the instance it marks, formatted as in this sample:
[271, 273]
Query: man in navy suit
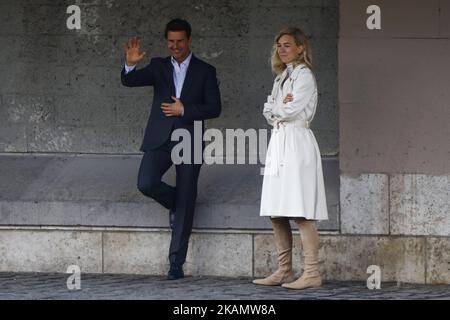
[185, 90]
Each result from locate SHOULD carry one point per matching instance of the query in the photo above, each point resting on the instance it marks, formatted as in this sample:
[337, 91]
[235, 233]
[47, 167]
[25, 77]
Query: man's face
[178, 44]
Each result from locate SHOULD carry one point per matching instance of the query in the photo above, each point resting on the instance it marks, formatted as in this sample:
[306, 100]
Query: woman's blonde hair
[300, 39]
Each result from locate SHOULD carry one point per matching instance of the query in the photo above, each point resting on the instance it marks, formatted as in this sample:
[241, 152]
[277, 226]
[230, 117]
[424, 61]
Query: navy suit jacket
[200, 96]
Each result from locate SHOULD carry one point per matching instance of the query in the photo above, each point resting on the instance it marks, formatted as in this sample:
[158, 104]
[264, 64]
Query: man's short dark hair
[178, 25]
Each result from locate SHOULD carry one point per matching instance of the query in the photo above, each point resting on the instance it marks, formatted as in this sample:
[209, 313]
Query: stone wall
[394, 133]
[61, 89]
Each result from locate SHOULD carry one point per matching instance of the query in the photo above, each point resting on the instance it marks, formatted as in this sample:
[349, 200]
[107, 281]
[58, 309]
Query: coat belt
[279, 147]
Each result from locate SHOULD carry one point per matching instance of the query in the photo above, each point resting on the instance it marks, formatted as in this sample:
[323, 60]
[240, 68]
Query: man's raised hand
[132, 50]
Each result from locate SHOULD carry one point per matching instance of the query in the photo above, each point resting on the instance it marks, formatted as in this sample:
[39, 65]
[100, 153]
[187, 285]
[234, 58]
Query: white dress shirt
[179, 73]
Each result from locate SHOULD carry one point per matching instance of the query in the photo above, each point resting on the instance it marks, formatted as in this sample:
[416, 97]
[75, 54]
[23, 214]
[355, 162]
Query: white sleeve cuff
[128, 69]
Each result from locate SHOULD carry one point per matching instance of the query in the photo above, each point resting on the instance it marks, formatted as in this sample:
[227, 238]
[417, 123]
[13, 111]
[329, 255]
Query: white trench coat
[293, 184]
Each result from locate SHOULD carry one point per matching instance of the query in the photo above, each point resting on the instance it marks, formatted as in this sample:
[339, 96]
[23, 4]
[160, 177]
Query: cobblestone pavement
[112, 286]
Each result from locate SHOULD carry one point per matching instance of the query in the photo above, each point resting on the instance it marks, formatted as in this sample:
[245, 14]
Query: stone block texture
[61, 89]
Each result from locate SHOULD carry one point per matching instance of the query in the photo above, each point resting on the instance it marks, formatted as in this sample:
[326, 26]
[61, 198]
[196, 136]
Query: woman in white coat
[293, 186]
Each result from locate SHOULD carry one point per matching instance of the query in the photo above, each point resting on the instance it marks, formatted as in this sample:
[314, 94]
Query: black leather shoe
[171, 218]
[175, 274]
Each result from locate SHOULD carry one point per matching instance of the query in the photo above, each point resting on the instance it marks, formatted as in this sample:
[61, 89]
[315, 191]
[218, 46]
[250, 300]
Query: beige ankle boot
[310, 241]
[283, 241]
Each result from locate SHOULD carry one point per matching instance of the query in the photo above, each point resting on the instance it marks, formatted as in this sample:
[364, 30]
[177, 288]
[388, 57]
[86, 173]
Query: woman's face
[287, 49]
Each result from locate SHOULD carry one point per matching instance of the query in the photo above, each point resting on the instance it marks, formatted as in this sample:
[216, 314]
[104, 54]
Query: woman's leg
[283, 241]
[310, 243]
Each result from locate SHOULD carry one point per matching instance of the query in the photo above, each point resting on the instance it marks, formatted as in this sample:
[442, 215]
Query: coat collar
[296, 71]
[185, 62]
[294, 74]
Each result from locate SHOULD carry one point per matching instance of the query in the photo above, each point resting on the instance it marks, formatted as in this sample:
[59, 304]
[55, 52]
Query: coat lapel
[189, 79]
[168, 75]
[278, 81]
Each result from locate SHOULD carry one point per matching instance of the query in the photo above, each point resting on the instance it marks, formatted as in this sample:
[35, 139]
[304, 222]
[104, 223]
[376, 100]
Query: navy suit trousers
[180, 198]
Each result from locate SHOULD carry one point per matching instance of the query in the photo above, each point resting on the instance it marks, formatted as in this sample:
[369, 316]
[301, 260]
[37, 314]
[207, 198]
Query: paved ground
[109, 286]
